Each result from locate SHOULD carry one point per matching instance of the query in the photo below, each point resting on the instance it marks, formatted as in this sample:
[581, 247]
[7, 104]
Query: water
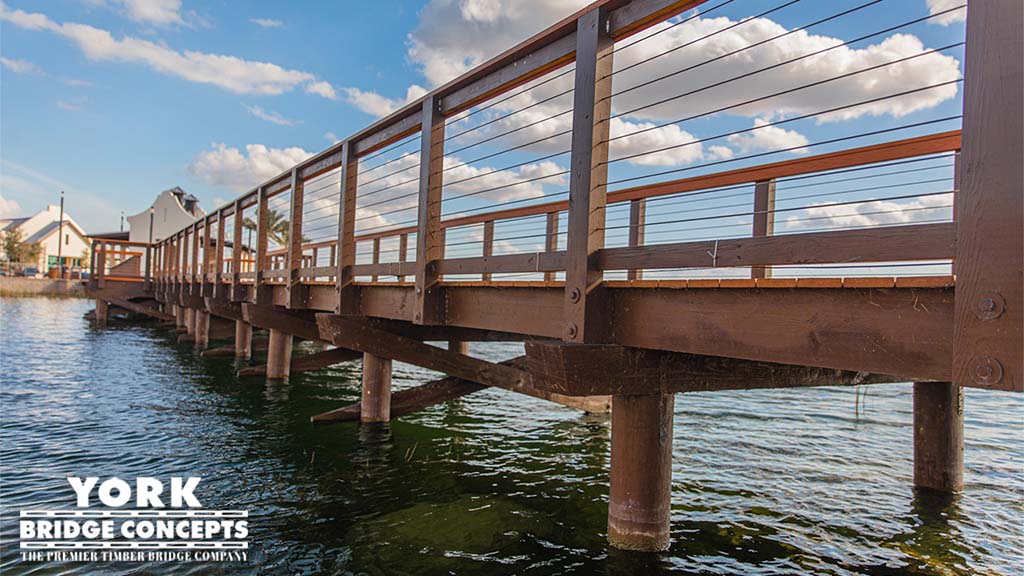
[764, 482]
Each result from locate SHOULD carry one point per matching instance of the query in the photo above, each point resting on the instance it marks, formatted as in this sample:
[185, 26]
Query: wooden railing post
[194, 260]
[551, 240]
[146, 273]
[294, 288]
[218, 272]
[204, 278]
[488, 245]
[764, 220]
[375, 257]
[988, 341]
[429, 307]
[237, 252]
[92, 261]
[637, 223]
[262, 295]
[348, 292]
[585, 318]
[403, 252]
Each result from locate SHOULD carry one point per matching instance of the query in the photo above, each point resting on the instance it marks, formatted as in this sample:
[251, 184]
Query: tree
[19, 251]
[277, 227]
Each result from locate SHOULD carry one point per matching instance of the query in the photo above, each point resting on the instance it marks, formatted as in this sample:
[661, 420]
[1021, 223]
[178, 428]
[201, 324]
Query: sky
[113, 101]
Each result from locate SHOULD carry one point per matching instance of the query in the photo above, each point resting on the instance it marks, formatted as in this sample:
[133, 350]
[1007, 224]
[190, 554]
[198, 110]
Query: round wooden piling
[102, 310]
[376, 404]
[243, 339]
[938, 436]
[202, 329]
[459, 346]
[640, 498]
[279, 355]
[190, 321]
[179, 316]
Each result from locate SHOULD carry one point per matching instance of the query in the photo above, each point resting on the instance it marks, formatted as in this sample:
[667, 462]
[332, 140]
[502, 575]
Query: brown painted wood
[243, 339]
[523, 262]
[202, 329]
[237, 251]
[296, 293]
[888, 244]
[403, 253]
[488, 247]
[348, 302]
[262, 244]
[764, 220]
[640, 492]
[429, 239]
[376, 389]
[601, 369]
[884, 331]
[938, 436]
[551, 239]
[306, 362]
[295, 323]
[585, 303]
[279, 355]
[988, 347]
[637, 224]
[356, 335]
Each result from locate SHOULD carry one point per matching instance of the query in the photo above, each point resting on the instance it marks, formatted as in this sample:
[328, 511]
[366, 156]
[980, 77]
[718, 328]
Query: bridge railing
[587, 156]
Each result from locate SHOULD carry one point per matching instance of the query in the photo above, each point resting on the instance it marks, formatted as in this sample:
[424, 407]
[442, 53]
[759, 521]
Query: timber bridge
[551, 196]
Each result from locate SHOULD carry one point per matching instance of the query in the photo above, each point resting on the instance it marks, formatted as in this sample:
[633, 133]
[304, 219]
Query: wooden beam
[488, 248]
[551, 240]
[295, 323]
[439, 391]
[599, 369]
[586, 316]
[988, 349]
[885, 244]
[429, 238]
[306, 362]
[354, 334]
[129, 305]
[237, 251]
[637, 227]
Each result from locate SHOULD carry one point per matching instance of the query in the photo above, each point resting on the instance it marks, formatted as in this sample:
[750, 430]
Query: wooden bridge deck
[629, 320]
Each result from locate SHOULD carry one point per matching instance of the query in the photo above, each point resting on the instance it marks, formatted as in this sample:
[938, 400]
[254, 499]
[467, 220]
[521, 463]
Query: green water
[764, 482]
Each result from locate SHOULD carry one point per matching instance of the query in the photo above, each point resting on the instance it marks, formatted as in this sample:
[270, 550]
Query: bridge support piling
[938, 436]
[179, 316]
[190, 321]
[376, 401]
[202, 329]
[459, 346]
[243, 339]
[640, 498]
[279, 355]
[102, 310]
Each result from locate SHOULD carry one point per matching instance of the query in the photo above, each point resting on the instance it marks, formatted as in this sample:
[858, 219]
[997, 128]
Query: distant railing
[120, 260]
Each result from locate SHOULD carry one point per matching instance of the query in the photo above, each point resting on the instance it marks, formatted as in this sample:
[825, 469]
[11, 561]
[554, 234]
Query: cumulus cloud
[936, 6]
[322, 88]
[767, 138]
[270, 116]
[228, 72]
[159, 12]
[240, 171]
[331, 137]
[874, 213]
[8, 208]
[266, 22]
[20, 66]
[376, 105]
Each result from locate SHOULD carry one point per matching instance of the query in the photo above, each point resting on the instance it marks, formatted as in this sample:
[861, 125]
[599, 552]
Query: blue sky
[115, 100]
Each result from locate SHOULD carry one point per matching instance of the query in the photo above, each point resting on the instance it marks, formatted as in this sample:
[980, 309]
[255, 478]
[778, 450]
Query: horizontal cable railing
[741, 145]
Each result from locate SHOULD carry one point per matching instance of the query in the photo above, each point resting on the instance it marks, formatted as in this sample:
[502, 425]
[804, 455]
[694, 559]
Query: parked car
[30, 272]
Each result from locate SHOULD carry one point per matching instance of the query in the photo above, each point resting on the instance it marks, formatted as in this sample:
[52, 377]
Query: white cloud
[33, 189]
[78, 82]
[322, 88]
[63, 105]
[9, 208]
[374, 104]
[767, 138]
[266, 22]
[20, 66]
[874, 213]
[228, 72]
[231, 168]
[158, 12]
[936, 6]
[331, 137]
[270, 116]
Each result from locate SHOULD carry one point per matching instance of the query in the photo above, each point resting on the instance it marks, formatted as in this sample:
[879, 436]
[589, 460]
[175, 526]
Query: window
[67, 239]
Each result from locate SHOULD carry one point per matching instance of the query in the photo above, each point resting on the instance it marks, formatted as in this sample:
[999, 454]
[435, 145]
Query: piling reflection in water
[764, 482]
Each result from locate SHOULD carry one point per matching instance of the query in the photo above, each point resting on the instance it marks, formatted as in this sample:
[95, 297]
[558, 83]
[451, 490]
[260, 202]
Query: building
[171, 211]
[44, 228]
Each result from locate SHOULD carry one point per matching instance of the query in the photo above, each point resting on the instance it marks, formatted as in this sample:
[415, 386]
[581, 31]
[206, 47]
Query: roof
[12, 223]
[45, 232]
[111, 235]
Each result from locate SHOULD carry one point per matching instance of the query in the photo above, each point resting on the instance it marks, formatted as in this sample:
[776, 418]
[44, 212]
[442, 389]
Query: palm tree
[277, 227]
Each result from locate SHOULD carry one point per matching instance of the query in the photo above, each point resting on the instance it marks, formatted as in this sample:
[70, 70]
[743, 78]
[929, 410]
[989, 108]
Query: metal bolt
[419, 290]
[990, 306]
[574, 295]
[572, 331]
[986, 371]
[987, 304]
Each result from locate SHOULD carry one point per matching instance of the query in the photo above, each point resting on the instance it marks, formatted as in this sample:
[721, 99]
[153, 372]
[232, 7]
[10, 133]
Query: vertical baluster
[764, 220]
[637, 224]
[488, 245]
